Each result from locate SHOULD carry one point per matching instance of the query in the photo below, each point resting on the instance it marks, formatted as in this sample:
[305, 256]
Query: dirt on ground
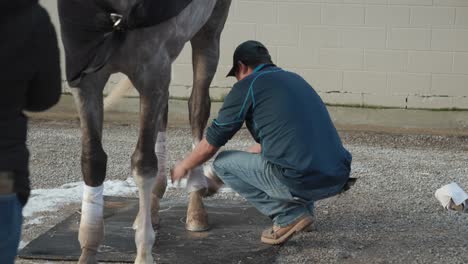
[389, 216]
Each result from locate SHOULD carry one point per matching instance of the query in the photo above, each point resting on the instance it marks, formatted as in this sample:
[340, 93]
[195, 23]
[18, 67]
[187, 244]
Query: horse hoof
[148, 259]
[197, 222]
[197, 218]
[88, 257]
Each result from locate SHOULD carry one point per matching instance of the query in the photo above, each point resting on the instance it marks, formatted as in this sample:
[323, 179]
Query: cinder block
[435, 16]
[323, 37]
[460, 62]
[430, 102]
[430, 61]
[409, 84]
[255, 12]
[410, 2]
[346, 59]
[384, 100]
[365, 82]
[386, 60]
[460, 102]
[377, 2]
[364, 37]
[235, 33]
[323, 80]
[182, 74]
[297, 57]
[409, 38]
[449, 85]
[220, 79]
[341, 98]
[279, 35]
[387, 15]
[450, 3]
[185, 56]
[299, 13]
[462, 16]
[343, 15]
[449, 39]
[219, 93]
[180, 91]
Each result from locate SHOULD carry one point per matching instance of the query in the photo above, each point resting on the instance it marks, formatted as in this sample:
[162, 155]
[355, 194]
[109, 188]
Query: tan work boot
[277, 235]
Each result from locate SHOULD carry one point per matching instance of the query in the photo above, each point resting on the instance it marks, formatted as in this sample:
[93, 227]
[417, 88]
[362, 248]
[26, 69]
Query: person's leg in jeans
[10, 227]
[11, 218]
[253, 178]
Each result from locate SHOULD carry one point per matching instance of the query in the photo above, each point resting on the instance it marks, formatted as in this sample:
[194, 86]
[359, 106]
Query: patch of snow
[47, 200]
[22, 244]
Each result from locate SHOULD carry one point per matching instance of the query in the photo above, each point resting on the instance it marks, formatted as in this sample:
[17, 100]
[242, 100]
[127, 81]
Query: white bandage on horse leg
[91, 225]
[92, 204]
[196, 180]
[161, 153]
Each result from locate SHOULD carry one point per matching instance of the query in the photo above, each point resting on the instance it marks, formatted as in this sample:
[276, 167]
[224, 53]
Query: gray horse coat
[141, 39]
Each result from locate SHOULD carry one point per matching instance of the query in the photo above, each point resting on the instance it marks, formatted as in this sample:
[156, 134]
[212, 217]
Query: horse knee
[93, 165]
[144, 163]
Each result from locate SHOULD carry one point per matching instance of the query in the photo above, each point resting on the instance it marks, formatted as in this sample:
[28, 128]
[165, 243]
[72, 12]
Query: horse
[144, 52]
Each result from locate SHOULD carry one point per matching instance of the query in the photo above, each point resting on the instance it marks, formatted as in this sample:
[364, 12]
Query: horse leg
[93, 164]
[205, 50]
[161, 178]
[153, 101]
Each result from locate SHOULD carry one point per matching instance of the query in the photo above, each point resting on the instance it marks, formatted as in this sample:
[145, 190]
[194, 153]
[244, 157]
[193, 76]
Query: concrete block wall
[386, 53]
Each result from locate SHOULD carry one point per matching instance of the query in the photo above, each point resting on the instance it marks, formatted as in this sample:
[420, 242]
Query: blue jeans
[254, 178]
[11, 218]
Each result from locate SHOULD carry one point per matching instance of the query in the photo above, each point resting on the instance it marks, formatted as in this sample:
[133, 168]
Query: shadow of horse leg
[205, 57]
[89, 102]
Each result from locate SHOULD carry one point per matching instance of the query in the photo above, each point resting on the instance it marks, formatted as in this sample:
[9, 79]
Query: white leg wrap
[196, 180]
[209, 172]
[91, 230]
[92, 205]
[161, 153]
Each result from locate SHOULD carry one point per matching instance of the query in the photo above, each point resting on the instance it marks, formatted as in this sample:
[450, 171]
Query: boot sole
[300, 226]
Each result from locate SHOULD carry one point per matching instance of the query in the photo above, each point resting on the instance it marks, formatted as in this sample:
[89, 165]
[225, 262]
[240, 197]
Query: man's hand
[203, 151]
[178, 172]
[257, 148]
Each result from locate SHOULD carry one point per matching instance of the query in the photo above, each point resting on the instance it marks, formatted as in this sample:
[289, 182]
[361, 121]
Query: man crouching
[299, 158]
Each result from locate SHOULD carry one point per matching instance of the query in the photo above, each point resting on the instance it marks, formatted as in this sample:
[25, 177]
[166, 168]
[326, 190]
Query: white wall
[395, 53]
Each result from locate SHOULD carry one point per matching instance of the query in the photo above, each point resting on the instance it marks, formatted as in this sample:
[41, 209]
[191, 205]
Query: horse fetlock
[91, 236]
[197, 218]
[88, 256]
[144, 240]
[160, 187]
[196, 180]
[144, 258]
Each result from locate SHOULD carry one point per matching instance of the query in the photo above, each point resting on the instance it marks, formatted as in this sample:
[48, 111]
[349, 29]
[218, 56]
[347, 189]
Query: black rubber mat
[234, 236]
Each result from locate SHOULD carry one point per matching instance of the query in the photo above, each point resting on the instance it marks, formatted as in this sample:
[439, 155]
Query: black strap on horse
[93, 29]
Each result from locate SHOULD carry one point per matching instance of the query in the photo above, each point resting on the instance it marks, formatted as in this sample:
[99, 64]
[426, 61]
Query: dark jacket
[287, 117]
[30, 80]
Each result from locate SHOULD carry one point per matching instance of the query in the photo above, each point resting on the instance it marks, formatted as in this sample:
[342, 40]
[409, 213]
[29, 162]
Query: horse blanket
[93, 29]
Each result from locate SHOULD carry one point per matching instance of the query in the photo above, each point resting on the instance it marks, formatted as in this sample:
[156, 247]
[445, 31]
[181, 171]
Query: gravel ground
[389, 216]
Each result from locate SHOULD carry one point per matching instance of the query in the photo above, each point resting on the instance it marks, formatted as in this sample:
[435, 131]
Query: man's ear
[242, 67]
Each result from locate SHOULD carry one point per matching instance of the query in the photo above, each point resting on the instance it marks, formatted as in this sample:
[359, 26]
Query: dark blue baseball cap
[249, 51]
